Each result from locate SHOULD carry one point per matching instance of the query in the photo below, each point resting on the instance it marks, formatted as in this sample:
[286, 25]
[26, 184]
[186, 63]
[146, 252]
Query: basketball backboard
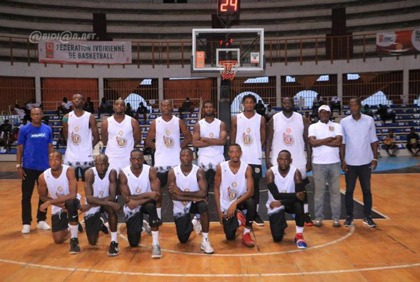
[211, 46]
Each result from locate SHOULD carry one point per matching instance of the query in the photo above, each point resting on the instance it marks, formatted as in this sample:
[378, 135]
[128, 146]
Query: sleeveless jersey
[137, 185]
[168, 144]
[232, 185]
[288, 135]
[209, 157]
[185, 183]
[79, 140]
[57, 187]
[100, 189]
[120, 138]
[248, 136]
[284, 185]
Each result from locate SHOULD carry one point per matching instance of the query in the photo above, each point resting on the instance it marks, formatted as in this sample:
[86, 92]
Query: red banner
[398, 42]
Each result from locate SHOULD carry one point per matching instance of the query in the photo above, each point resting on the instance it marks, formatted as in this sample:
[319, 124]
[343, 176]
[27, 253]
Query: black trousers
[28, 185]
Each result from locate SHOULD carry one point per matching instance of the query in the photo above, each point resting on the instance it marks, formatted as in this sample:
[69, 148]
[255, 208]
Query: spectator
[335, 104]
[367, 111]
[389, 144]
[129, 110]
[89, 106]
[385, 113]
[65, 107]
[270, 113]
[187, 107]
[141, 110]
[19, 111]
[104, 107]
[301, 103]
[413, 142]
[260, 108]
[5, 133]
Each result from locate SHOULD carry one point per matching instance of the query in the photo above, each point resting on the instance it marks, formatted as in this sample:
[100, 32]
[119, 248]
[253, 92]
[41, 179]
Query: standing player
[164, 137]
[100, 189]
[59, 181]
[120, 133]
[248, 131]
[34, 146]
[188, 190]
[209, 138]
[81, 132]
[140, 190]
[288, 130]
[286, 194]
[233, 190]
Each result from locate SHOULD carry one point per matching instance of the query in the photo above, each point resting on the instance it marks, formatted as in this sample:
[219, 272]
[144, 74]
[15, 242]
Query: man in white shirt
[359, 156]
[326, 137]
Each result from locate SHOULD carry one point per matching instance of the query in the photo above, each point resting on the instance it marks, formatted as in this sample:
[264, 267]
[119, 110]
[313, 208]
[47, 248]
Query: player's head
[208, 108]
[119, 106]
[166, 107]
[287, 104]
[136, 158]
[55, 159]
[101, 163]
[235, 152]
[284, 159]
[186, 157]
[249, 101]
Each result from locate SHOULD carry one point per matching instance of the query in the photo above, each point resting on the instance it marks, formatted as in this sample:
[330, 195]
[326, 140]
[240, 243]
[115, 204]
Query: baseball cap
[325, 108]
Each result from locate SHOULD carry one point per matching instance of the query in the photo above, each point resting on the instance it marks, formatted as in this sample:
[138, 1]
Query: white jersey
[188, 183]
[284, 185]
[168, 143]
[248, 136]
[288, 135]
[120, 142]
[100, 189]
[209, 157]
[232, 185]
[57, 187]
[137, 185]
[79, 140]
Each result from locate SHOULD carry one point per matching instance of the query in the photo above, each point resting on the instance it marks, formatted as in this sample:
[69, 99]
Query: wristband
[375, 160]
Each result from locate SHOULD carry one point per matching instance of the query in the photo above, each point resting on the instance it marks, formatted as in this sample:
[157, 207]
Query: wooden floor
[390, 252]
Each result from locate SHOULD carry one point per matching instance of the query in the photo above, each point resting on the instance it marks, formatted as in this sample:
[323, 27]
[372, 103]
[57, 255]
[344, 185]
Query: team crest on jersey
[232, 193]
[101, 194]
[167, 132]
[186, 202]
[331, 128]
[211, 135]
[246, 137]
[75, 138]
[138, 190]
[60, 191]
[288, 137]
[122, 142]
[168, 141]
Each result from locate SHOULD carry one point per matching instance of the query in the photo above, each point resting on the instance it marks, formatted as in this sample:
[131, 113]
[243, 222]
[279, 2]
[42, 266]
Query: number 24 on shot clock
[228, 7]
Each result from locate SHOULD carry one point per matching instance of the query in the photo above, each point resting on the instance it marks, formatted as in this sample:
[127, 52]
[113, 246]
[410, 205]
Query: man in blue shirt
[34, 146]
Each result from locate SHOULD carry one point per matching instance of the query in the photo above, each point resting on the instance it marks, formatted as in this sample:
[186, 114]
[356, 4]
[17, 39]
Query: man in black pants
[286, 194]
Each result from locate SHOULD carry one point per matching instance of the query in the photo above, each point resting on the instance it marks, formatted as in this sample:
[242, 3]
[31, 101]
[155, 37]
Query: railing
[178, 52]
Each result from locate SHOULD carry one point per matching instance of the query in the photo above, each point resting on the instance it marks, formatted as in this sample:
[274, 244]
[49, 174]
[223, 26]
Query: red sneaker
[247, 240]
[300, 242]
[240, 216]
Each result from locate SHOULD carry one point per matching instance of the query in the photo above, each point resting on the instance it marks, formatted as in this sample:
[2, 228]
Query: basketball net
[230, 67]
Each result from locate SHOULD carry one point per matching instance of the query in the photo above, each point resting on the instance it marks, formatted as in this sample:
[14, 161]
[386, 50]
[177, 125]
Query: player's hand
[132, 204]
[373, 164]
[221, 216]
[300, 195]
[231, 212]
[344, 167]
[275, 204]
[44, 206]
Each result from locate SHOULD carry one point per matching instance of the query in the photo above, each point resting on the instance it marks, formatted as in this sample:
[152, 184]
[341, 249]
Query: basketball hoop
[230, 67]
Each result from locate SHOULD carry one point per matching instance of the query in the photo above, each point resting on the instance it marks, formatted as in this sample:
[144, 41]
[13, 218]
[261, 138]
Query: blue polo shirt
[357, 137]
[35, 141]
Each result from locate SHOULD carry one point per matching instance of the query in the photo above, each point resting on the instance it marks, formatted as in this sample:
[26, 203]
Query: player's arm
[198, 142]
[217, 182]
[95, 132]
[307, 145]
[263, 126]
[299, 186]
[217, 141]
[65, 125]
[136, 131]
[187, 134]
[233, 129]
[269, 142]
[151, 134]
[104, 132]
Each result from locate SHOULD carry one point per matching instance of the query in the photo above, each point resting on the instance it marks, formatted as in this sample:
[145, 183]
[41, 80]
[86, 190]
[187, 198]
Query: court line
[233, 275]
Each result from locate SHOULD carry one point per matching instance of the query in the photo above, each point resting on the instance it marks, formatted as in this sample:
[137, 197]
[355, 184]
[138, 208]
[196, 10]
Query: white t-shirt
[79, 140]
[188, 183]
[248, 136]
[325, 154]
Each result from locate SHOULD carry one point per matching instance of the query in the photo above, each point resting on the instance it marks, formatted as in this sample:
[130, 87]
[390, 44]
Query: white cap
[325, 108]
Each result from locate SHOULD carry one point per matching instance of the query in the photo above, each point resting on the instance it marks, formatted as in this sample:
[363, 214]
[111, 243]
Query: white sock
[258, 207]
[305, 208]
[74, 230]
[155, 236]
[246, 230]
[299, 229]
[205, 236]
[159, 212]
[114, 236]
